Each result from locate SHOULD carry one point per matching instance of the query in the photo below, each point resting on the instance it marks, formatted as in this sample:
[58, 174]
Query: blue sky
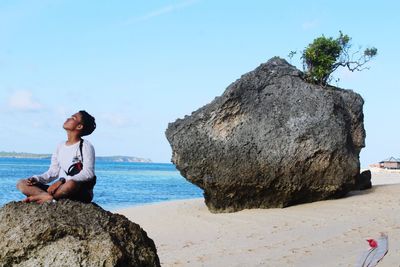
[138, 65]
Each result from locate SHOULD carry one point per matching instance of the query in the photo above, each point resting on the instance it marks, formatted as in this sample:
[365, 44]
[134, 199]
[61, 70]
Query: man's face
[74, 122]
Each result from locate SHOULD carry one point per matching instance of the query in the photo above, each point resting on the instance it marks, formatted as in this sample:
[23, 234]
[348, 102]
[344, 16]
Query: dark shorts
[84, 193]
[44, 187]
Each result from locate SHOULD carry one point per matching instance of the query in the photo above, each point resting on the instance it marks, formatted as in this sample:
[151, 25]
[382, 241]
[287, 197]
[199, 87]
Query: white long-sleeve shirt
[66, 155]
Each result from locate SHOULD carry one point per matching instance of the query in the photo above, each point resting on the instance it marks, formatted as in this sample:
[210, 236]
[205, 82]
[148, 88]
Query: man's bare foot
[26, 200]
[40, 199]
[44, 199]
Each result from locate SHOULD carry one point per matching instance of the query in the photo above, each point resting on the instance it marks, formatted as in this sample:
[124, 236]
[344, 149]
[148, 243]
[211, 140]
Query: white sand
[325, 233]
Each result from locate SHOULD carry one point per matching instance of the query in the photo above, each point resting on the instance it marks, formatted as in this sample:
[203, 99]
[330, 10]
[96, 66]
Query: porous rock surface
[271, 140]
[69, 233]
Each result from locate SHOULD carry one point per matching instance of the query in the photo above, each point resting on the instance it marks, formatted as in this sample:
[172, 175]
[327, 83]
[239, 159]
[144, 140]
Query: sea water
[119, 184]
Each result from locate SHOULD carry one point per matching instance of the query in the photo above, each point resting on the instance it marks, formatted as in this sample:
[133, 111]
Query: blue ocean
[119, 184]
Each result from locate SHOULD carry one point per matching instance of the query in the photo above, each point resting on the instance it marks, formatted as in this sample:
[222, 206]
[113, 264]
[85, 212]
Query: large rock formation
[69, 233]
[271, 140]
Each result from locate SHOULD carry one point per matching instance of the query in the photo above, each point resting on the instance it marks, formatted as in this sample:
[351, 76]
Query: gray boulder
[363, 181]
[69, 233]
[271, 140]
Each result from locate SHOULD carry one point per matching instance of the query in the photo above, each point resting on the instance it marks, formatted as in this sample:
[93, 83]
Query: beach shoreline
[331, 232]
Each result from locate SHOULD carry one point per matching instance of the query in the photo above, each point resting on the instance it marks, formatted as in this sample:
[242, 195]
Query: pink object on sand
[378, 249]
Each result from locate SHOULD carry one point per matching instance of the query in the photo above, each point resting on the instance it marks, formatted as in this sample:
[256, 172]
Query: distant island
[122, 159]
[23, 155]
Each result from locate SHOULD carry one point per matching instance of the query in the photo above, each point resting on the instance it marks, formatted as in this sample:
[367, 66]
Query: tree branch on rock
[325, 55]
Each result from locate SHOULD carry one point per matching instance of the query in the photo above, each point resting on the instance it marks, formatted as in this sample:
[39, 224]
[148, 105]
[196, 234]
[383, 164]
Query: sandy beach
[325, 233]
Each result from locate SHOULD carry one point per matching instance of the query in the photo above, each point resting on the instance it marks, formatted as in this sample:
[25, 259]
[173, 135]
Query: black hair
[88, 123]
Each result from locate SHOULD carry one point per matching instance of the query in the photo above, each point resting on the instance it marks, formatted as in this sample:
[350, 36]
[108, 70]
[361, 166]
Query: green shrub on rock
[324, 55]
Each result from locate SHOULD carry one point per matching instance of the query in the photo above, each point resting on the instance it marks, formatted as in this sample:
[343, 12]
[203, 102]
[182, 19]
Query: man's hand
[53, 188]
[31, 181]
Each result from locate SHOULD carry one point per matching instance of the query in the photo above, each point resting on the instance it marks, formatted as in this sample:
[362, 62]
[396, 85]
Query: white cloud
[23, 100]
[162, 11]
[37, 124]
[115, 120]
[309, 25]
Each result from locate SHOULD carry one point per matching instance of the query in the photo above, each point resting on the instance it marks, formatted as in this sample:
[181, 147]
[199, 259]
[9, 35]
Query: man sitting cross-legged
[72, 164]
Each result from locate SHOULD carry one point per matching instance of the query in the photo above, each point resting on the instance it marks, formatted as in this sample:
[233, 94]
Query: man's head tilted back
[88, 123]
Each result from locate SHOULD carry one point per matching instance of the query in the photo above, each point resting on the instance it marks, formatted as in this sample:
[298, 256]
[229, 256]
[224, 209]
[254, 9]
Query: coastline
[332, 232]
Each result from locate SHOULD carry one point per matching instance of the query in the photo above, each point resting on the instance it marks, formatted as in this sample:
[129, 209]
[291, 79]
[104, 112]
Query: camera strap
[80, 148]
